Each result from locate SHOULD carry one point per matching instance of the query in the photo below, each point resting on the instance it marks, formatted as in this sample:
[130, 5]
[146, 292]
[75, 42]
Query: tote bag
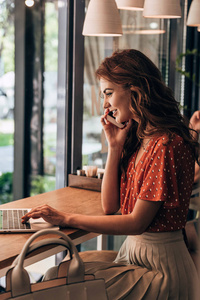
[73, 285]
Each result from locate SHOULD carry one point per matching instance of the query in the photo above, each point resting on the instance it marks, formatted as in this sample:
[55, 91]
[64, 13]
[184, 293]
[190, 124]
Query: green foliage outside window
[42, 184]
[6, 139]
[6, 180]
[191, 76]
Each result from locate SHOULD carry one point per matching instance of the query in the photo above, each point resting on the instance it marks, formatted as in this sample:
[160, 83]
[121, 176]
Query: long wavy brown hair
[151, 100]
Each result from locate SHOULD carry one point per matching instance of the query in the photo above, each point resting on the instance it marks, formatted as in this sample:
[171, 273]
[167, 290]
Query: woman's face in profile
[117, 99]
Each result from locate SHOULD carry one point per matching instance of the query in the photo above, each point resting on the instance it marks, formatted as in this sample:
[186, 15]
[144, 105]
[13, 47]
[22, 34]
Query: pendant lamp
[130, 4]
[136, 24]
[194, 14]
[163, 9]
[102, 19]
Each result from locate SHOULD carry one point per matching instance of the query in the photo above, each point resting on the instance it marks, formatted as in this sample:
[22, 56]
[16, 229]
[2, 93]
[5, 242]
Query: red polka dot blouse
[164, 173]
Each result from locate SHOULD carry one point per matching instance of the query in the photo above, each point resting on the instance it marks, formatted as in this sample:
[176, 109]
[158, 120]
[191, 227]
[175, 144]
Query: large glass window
[37, 70]
[7, 79]
[44, 180]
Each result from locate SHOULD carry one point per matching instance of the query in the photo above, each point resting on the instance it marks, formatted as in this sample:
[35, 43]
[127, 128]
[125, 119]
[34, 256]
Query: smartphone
[112, 120]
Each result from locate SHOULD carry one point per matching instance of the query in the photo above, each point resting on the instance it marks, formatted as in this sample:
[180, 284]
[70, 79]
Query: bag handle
[20, 282]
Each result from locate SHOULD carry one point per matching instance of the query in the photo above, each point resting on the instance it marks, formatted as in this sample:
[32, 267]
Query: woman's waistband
[159, 237]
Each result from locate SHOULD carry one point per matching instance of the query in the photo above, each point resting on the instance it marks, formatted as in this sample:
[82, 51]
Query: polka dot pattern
[164, 173]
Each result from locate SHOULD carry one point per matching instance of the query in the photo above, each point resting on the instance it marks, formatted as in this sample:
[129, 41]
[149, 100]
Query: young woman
[149, 175]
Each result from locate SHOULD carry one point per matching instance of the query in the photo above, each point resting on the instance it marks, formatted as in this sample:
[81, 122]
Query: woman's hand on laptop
[48, 213]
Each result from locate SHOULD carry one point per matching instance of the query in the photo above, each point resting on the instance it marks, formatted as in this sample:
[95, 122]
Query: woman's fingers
[48, 213]
[103, 120]
[38, 212]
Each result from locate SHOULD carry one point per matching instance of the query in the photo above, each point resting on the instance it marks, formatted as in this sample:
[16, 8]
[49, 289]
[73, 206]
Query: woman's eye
[109, 94]
[105, 95]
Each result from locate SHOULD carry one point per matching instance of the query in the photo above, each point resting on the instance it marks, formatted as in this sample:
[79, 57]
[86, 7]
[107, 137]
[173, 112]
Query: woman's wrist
[72, 220]
[115, 150]
[64, 220]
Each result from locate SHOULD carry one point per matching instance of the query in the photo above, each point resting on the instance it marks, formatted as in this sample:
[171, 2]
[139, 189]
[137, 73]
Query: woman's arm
[110, 190]
[131, 224]
[195, 123]
[196, 172]
[110, 193]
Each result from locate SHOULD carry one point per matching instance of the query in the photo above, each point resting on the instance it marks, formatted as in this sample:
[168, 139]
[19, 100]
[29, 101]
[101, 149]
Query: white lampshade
[130, 4]
[198, 29]
[194, 14]
[163, 9]
[102, 19]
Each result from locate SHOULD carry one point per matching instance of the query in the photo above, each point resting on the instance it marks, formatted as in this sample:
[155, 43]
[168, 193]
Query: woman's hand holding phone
[115, 135]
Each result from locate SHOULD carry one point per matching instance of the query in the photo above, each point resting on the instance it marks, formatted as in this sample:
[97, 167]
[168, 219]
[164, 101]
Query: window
[7, 82]
[36, 60]
[43, 171]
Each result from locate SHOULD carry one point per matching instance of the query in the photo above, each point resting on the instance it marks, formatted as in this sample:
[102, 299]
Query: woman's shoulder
[173, 144]
[170, 141]
[170, 149]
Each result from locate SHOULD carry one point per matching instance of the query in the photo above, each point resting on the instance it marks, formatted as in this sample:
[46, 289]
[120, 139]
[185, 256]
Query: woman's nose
[106, 104]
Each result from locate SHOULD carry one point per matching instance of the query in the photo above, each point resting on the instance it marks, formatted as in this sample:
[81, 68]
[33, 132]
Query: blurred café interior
[50, 106]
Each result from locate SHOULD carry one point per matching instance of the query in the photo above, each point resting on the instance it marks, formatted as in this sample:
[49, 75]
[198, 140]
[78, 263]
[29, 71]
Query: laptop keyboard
[11, 219]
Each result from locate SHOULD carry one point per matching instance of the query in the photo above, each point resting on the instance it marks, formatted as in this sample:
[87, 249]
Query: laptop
[10, 222]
